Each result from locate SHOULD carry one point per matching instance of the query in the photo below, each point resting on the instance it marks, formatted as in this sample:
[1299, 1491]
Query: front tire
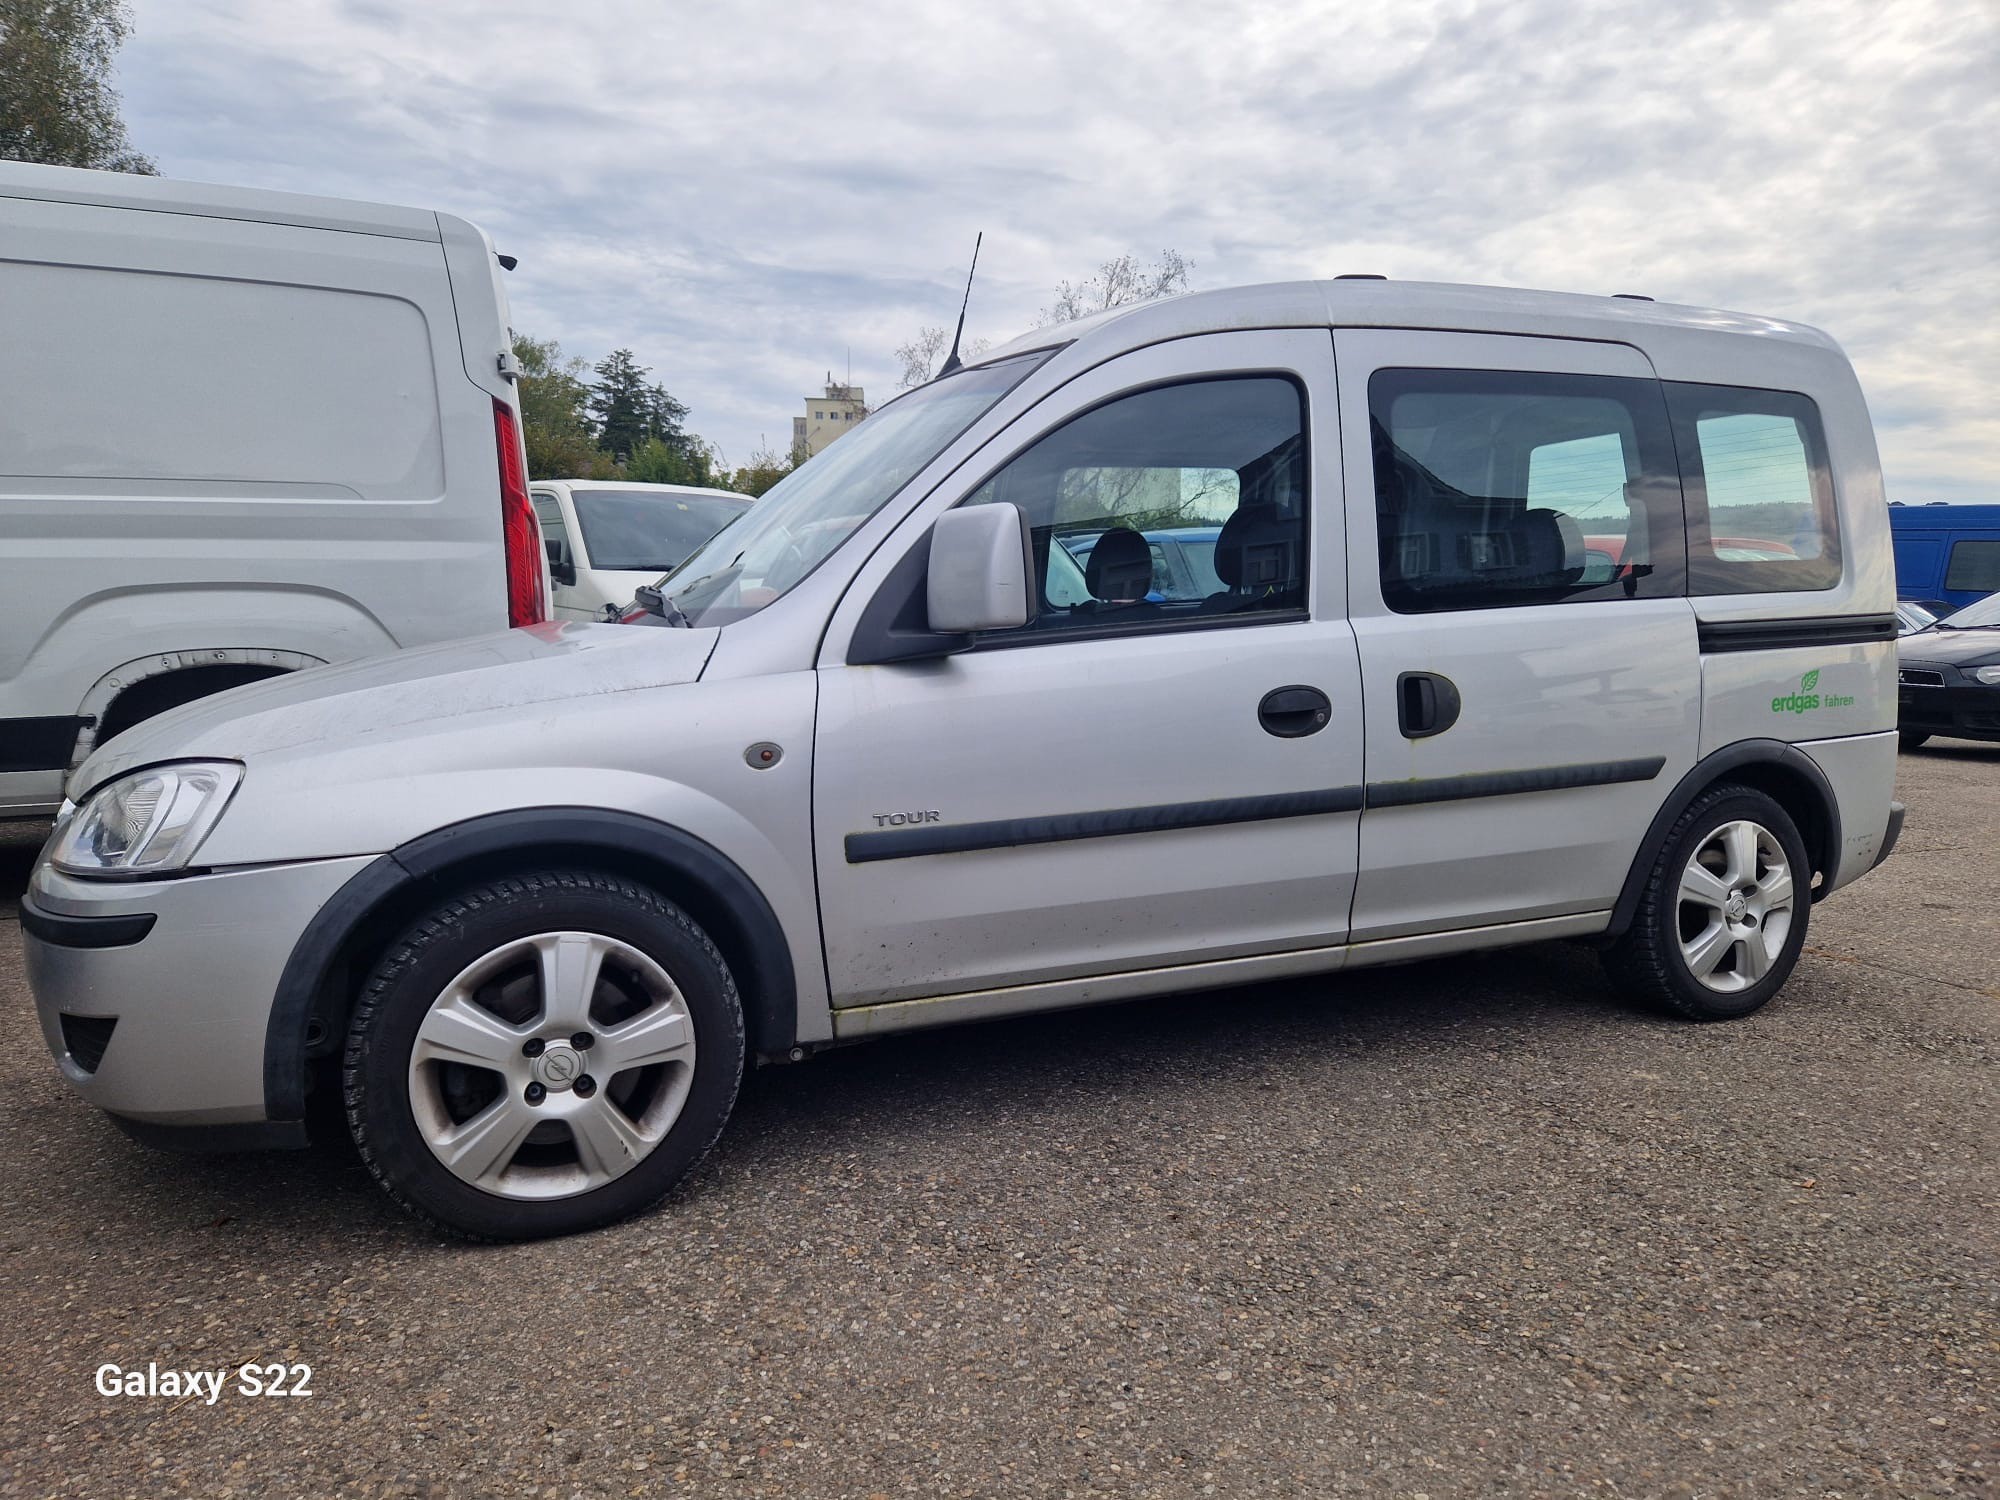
[1723, 915]
[542, 1054]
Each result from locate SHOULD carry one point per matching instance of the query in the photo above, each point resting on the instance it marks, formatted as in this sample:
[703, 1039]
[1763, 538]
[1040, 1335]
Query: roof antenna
[952, 363]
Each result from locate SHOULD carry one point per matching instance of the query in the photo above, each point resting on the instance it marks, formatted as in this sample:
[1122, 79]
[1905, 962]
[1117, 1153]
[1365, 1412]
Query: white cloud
[743, 194]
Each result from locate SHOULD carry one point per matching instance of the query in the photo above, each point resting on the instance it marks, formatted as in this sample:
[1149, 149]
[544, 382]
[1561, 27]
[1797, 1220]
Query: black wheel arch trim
[1705, 773]
[770, 988]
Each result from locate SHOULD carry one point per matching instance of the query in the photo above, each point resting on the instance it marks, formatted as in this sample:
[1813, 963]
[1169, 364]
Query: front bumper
[163, 1023]
[1956, 705]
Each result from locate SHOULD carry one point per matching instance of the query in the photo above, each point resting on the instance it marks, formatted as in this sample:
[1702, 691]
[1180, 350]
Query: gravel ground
[1467, 1227]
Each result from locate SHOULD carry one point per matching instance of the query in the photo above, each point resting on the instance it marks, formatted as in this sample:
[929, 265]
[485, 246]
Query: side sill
[859, 1021]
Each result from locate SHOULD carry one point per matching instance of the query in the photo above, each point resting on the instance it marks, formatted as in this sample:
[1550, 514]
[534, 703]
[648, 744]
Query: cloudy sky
[750, 194]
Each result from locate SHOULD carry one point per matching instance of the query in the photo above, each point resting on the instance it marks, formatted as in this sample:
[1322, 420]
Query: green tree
[660, 461]
[628, 410]
[57, 105]
[554, 414]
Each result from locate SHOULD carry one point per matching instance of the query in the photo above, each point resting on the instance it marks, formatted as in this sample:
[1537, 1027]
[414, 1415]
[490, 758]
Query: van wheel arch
[135, 691]
[316, 991]
[1782, 772]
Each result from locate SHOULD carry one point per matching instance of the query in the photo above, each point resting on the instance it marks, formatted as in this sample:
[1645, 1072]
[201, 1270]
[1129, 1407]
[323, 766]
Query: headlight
[1988, 675]
[148, 823]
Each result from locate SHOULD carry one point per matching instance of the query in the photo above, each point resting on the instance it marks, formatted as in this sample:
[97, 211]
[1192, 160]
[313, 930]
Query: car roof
[655, 489]
[1397, 304]
[213, 201]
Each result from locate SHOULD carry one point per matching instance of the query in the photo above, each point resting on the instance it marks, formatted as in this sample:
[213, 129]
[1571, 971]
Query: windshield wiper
[649, 598]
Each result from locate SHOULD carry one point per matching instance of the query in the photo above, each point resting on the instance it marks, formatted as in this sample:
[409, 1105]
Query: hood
[1958, 648]
[535, 665]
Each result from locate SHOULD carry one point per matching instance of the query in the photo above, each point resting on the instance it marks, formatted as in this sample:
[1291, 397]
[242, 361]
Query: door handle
[1427, 703]
[1295, 711]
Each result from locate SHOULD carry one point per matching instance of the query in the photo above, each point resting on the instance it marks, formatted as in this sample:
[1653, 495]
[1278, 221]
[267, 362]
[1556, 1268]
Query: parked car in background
[606, 538]
[528, 904]
[241, 433]
[1948, 677]
[1946, 555]
[1912, 616]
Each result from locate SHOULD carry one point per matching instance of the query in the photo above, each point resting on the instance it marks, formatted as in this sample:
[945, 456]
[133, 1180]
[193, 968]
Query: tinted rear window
[1759, 490]
[1975, 566]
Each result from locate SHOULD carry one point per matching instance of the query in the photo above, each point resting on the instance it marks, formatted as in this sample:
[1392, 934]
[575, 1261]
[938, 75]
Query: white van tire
[1722, 918]
[538, 1132]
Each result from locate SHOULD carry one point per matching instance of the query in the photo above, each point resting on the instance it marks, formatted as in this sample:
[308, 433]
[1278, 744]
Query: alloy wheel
[552, 1065]
[1736, 902]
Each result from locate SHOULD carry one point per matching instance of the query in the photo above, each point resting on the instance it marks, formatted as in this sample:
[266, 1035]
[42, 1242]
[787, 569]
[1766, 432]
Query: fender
[1706, 772]
[725, 901]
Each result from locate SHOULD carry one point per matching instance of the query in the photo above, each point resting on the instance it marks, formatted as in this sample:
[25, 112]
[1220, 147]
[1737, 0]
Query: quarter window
[1185, 504]
[1759, 493]
[1515, 487]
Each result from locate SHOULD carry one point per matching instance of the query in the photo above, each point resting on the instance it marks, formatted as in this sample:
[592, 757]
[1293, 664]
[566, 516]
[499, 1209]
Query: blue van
[1946, 552]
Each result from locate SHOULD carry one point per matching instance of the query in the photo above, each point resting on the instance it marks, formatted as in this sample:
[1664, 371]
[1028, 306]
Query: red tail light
[520, 532]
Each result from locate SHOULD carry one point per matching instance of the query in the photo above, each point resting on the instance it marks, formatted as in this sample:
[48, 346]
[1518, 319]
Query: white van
[606, 538]
[1531, 617]
[241, 433]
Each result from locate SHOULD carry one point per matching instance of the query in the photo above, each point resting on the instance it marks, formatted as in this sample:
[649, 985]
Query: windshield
[818, 505]
[648, 530]
[1979, 613]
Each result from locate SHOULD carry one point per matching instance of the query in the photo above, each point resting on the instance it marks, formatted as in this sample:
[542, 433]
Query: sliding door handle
[1427, 703]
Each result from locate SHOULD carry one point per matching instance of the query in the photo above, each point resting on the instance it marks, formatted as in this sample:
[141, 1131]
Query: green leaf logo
[1810, 681]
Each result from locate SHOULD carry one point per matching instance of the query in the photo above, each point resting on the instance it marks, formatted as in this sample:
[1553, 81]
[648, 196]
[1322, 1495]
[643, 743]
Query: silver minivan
[1522, 616]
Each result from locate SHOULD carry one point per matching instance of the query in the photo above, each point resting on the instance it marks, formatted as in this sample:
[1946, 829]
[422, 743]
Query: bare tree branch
[1118, 281]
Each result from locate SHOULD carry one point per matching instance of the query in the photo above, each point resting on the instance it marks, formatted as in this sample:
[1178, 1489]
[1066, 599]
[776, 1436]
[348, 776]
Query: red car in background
[1603, 556]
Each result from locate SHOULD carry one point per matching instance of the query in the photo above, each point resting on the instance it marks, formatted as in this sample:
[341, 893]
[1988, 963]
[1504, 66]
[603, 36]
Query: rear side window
[1516, 487]
[1760, 514]
[1975, 565]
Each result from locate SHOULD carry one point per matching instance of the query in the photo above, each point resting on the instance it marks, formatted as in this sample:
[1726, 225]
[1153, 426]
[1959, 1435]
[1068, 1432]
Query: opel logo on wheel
[559, 1067]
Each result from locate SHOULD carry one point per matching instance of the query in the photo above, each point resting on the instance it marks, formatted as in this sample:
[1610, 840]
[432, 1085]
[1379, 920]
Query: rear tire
[542, 1054]
[1723, 914]
[1910, 740]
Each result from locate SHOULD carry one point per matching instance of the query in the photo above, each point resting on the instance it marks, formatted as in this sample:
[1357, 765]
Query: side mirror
[980, 564]
[561, 569]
